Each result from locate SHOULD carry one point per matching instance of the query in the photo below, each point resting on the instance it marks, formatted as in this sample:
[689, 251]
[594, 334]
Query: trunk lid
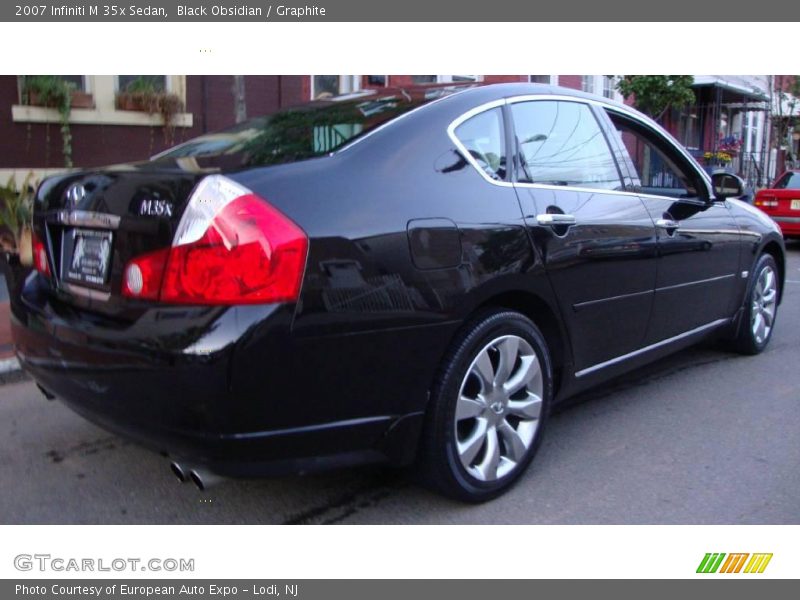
[92, 222]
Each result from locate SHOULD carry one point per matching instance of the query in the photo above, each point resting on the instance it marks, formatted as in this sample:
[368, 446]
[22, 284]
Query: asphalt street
[703, 437]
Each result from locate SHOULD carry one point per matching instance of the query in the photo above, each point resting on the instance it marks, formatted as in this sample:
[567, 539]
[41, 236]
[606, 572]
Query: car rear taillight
[40, 256]
[231, 247]
[766, 202]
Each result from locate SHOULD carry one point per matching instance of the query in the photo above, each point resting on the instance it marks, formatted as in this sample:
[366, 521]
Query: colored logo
[719, 562]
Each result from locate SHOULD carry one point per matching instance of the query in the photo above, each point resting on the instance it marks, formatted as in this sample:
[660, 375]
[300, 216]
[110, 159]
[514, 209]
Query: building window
[609, 86]
[587, 83]
[377, 80]
[95, 99]
[326, 86]
[539, 78]
[423, 79]
[156, 83]
[689, 128]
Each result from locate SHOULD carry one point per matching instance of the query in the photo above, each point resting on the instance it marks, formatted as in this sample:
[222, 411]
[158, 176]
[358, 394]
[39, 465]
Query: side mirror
[727, 185]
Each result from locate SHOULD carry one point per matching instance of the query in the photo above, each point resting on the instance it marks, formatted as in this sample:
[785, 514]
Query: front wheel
[761, 308]
[488, 407]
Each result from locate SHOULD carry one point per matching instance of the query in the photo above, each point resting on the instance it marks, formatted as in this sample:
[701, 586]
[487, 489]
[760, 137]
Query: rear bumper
[217, 389]
[788, 225]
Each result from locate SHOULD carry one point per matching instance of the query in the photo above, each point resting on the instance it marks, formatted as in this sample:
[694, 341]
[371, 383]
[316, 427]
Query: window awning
[741, 86]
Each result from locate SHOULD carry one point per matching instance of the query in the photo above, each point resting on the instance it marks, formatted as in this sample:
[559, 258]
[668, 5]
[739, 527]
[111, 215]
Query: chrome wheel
[765, 297]
[498, 407]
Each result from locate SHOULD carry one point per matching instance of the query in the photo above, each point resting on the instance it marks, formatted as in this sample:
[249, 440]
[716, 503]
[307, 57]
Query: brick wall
[208, 98]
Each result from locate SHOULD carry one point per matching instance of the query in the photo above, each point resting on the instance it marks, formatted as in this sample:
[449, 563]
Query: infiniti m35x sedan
[414, 276]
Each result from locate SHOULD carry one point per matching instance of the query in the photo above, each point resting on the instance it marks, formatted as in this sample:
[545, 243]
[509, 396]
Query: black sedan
[413, 276]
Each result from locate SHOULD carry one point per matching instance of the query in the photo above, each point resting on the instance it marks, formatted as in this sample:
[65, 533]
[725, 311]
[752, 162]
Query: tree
[654, 95]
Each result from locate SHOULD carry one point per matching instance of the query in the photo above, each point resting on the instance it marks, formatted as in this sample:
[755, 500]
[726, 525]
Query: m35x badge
[155, 208]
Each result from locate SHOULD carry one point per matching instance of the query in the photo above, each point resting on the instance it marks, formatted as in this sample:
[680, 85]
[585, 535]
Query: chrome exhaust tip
[180, 471]
[204, 479]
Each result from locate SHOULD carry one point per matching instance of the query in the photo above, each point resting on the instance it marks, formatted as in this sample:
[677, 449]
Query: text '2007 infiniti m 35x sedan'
[404, 275]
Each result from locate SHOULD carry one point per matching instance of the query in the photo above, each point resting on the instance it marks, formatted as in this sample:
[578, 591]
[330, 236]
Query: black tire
[746, 341]
[438, 459]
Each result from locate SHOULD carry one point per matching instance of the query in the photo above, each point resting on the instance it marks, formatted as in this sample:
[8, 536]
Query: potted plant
[143, 94]
[16, 205]
[717, 159]
[48, 90]
[53, 92]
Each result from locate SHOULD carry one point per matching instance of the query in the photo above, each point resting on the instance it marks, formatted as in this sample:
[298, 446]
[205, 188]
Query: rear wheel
[761, 308]
[488, 407]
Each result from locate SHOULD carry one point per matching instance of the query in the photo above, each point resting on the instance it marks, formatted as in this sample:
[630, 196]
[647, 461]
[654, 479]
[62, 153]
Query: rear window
[305, 131]
[789, 181]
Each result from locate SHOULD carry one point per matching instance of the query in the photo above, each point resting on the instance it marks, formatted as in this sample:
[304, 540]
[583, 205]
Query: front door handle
[667, 224]
[555, 219]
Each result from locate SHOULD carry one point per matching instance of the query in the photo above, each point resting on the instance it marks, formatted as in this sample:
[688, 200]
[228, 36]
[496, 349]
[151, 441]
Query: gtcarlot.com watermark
[47, 563]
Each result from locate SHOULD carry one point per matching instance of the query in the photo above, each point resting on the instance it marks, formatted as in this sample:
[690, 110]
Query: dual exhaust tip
[201, 478]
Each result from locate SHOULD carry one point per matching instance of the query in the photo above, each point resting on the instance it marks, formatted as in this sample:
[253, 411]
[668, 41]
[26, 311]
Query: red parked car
[782, 202]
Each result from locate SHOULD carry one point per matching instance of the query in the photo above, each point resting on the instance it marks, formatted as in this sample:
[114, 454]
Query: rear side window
[306, 131]
[483, 138]
[561, 143]
[789, 181]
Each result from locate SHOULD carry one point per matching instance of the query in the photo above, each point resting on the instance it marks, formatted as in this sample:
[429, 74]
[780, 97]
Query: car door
[598, 244]
[698, 239]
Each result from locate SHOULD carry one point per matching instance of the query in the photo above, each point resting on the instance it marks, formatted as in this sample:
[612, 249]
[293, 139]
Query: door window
[660, 169]
[561, 143]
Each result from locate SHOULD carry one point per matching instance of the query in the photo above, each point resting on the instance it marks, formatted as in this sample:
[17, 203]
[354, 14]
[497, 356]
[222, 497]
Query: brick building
[102, 133]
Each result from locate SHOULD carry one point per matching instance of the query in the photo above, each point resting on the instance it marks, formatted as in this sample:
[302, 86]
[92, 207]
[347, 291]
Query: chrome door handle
[555, 219]
[667, 224]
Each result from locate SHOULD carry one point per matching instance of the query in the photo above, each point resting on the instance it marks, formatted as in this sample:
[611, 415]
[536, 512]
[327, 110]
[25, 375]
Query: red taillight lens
[40, 256]
[231, 247]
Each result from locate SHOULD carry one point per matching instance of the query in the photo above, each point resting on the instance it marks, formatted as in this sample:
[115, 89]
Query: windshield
[306, 131]
[789, 181]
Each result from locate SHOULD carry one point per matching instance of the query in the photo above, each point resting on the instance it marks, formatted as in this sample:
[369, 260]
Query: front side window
[483, 138]
[789, 181]
[561, 143]
[655, 164]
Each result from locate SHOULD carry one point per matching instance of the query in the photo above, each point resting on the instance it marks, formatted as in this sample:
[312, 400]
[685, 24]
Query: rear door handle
[555, 219]
[667, 224]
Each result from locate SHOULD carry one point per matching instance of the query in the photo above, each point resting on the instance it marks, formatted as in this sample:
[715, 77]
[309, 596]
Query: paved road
[702, 437]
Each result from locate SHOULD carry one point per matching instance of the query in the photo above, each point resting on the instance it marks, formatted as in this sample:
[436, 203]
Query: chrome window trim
[619, 108]
[640, 351]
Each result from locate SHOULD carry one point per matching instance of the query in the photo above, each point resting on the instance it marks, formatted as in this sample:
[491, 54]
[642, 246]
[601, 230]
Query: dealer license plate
[86, 256]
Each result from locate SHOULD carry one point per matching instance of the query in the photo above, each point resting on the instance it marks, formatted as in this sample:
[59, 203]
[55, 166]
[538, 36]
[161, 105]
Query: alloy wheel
[498, 408]
[764, 302]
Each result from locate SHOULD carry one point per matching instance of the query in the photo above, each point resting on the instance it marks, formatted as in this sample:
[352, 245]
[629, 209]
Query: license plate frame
[86, 256]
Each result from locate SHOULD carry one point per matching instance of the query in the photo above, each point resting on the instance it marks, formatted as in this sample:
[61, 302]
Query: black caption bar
[335, 589]
[408, 10]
